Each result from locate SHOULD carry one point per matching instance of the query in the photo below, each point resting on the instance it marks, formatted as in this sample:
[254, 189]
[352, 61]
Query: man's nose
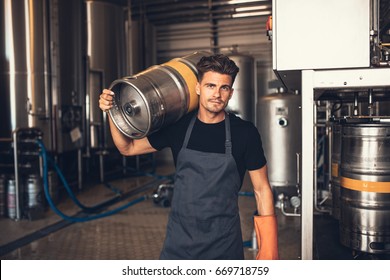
[217, 92]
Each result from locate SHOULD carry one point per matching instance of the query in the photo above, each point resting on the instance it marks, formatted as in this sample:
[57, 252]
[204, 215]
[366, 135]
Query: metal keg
[335, 168]
[33, 192]
[11, 198]
[365, 187]
[3, 183]
[156, 97]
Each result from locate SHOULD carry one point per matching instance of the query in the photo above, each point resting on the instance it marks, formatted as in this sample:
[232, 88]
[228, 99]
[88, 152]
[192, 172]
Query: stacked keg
[3, 197]
[365, 187]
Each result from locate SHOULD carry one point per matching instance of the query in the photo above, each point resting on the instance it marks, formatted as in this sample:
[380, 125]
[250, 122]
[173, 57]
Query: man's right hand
[106, 100]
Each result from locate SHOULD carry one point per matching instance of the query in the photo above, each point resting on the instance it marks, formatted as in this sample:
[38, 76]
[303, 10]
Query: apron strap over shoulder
[228, 141]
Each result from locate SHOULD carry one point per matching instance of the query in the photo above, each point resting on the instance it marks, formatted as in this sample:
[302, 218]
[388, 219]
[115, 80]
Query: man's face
[214, 90]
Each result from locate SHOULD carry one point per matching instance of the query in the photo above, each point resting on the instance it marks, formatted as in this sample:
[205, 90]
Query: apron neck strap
[228, 140]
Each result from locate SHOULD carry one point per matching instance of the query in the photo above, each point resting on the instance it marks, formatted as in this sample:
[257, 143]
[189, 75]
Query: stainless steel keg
[365, 187]
[156, 97]
[33, 192]
[11, 198]
[3, 183]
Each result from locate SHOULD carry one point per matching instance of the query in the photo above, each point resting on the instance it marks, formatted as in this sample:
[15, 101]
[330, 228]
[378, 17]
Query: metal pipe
[356, 104]
[370, 104]
[80, 168]
[47, 70]
[315, 168]
[286, 213]
[246, 30]
[198, 12]
[87, 110]
[182, 30]
[377, 15]
[160, 8]
[16, 170]
[259, 49]
[298, 155]
[282, 207]
[315, 153]
[329, 134]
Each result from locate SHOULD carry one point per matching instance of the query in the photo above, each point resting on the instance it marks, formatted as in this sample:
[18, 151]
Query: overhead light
[254, 8]
[251, 14]
[233, 2]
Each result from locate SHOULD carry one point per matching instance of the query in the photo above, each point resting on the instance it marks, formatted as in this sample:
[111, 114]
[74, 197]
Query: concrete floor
[137, 233]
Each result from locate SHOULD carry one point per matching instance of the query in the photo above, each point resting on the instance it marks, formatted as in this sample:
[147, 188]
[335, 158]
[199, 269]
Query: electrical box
[319, 34]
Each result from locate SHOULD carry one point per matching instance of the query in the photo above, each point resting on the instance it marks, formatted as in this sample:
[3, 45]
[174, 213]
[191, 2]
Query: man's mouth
[217, 101]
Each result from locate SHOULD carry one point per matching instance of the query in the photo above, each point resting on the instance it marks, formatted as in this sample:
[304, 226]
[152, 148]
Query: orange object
[269, 23]
[266, 228]
[365, 186]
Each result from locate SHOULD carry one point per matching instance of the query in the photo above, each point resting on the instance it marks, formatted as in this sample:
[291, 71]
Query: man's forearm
[265, 202]
[121, 141]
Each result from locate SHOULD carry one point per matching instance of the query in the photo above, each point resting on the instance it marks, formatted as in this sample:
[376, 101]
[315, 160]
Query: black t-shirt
[246, 142]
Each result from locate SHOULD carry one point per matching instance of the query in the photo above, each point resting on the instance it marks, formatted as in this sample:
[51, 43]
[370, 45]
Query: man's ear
[197, 88]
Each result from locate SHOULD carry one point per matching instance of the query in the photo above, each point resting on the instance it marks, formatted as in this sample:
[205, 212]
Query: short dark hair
[219, 63]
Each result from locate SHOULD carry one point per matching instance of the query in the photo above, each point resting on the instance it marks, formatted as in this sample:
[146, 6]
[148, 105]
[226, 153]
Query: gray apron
[204, 222]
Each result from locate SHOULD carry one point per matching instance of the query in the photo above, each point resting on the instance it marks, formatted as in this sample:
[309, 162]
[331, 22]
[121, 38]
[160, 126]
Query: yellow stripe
[191, 80]
[365, 186]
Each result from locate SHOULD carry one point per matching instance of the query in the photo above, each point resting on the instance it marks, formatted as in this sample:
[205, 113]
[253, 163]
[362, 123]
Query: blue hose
[43, 154]
[246, 194]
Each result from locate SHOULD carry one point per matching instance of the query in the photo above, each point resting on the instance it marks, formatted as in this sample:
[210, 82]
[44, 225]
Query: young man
[212, 151]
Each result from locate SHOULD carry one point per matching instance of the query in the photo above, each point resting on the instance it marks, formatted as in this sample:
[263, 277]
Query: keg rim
[139, 133]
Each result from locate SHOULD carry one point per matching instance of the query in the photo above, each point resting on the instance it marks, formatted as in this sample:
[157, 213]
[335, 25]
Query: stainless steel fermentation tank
[279, 124]
[242, 102]
[107, 60]
[45, 80]
[156, 97]
[365, 187]
[25, 68]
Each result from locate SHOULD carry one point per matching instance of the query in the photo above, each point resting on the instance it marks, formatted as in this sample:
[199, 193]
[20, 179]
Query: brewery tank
[107, 60]
[279, 124]
[243, 99]
[156, 97]
[25, 67]
[365, 187]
